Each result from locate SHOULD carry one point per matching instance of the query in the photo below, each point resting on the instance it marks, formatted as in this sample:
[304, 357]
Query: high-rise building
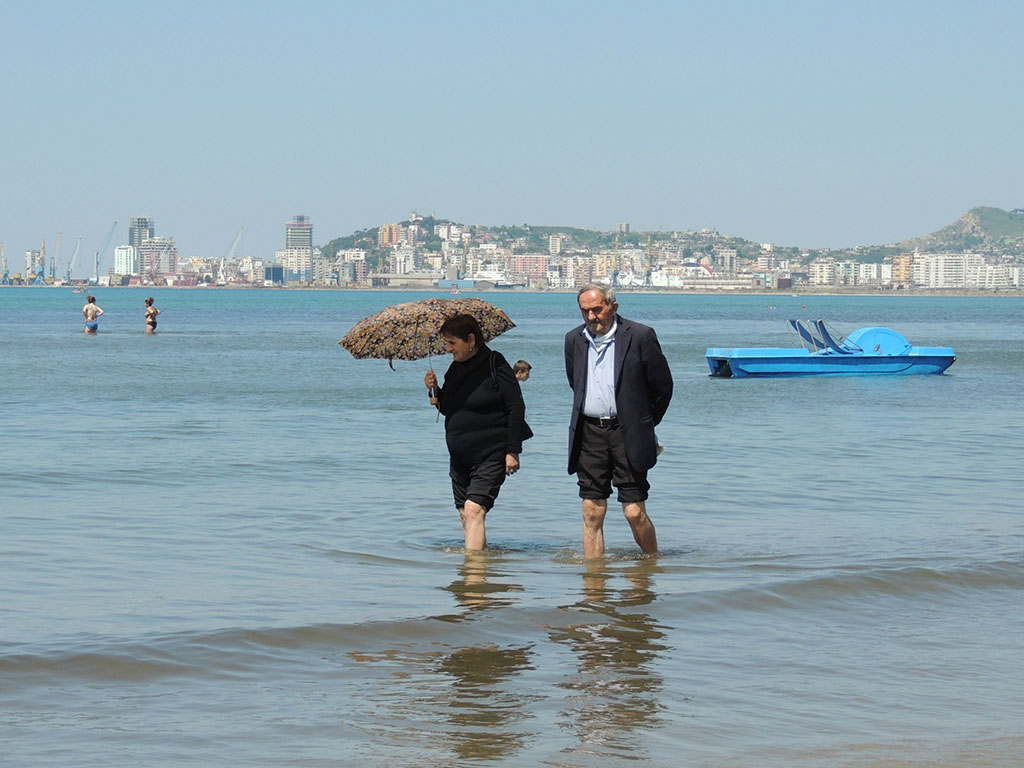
[389, 235]
[298, 234]
[140, 228]
[158, 256]
[903, 269]
[126, 260]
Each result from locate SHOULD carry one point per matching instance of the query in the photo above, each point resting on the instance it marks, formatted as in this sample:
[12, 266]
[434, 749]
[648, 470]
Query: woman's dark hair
[149, 302]
[460, 326]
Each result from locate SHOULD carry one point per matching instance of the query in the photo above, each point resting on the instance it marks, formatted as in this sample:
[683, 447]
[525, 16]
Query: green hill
[983, 229]
[978, 228]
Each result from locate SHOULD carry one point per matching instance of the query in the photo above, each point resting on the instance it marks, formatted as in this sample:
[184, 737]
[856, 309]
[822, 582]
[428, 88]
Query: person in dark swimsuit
[151, 313]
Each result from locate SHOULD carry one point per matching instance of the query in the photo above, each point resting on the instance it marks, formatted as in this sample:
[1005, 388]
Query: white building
[992, 276]
[942, 270]
[822, 271]
[402, 259]
[126, 260]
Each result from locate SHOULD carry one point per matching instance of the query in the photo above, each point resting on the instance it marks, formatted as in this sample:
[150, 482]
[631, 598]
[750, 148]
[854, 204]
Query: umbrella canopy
[410, 331]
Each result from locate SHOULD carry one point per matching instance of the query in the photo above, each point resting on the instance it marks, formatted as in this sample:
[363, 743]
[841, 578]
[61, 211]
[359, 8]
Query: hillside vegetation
[986, 229]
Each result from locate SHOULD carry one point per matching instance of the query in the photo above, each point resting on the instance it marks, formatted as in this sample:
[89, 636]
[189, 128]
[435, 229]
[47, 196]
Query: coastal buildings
[298, 234]
[140, 228]
[903, 269]
[822, 271]
[426, 251]
[158, 256]
[146, 257]
[962, 270]
[389, 235]
[126, 260]
[299, 262]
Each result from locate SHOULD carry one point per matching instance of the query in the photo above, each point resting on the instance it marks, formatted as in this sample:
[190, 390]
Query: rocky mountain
[982, 229]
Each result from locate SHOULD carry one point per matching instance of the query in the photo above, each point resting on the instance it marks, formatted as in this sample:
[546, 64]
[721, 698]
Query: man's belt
[604, 422]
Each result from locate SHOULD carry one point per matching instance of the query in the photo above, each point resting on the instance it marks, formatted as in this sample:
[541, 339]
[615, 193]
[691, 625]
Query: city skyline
[795, 124]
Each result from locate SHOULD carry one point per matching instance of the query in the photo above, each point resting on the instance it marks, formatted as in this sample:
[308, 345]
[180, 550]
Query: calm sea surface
[232, 544]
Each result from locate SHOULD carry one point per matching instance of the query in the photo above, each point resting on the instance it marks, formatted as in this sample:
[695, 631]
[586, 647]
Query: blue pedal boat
[865, 352]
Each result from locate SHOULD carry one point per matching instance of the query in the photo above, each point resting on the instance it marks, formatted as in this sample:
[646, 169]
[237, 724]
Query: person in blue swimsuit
[91, 311]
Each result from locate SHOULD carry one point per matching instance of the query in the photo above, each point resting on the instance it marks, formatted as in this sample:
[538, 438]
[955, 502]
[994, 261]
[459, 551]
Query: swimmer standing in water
[91, 311]
[151, 313]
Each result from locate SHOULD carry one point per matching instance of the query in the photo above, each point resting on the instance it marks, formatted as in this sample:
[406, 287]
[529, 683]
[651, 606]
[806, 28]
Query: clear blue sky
[802, 123]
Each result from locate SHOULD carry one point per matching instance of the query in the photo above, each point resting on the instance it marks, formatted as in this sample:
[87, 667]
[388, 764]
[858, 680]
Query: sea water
[230, 543]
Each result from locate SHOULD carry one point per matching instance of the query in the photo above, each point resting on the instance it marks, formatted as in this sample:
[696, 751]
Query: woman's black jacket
[483, 408]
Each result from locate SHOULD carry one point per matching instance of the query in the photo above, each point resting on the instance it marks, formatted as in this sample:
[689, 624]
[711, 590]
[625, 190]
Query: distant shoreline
[789, 292]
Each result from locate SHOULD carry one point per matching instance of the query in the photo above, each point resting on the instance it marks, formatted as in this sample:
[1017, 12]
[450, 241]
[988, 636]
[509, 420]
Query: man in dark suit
[621, 387]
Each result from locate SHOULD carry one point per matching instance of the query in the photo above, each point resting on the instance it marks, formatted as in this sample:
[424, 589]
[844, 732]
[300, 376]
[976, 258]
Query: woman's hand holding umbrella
[430, 380]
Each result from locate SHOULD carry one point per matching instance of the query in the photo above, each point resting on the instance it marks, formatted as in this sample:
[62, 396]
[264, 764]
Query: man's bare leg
[472, 515]
[641, 525]
[594, 511]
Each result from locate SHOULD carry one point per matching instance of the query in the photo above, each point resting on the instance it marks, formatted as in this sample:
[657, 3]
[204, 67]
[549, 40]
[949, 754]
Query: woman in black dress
[484, 422]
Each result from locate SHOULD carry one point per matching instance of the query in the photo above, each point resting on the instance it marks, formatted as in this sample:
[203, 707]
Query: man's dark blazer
[643, 388]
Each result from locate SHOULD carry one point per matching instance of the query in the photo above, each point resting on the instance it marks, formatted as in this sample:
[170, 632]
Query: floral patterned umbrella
[410, 331]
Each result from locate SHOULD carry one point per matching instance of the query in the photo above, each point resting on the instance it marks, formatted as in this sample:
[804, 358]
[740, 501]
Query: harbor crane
[5, 279]
[41, 271]
[74, 259]
[222, 278]
[95, 280]
[53, 260]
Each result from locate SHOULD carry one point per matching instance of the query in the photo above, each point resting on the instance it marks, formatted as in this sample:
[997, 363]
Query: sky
[810, 124]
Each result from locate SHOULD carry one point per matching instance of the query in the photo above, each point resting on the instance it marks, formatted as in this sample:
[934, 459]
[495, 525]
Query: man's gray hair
[603, 288]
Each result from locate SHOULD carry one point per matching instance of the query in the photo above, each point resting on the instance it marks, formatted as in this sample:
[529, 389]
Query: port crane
[41, 272]
[222, 278]
[5, 279]
[99, 254]
[53, 260]
[74, 259]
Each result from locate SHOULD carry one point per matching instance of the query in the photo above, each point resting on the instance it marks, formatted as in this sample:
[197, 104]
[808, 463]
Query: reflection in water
[481, 711]
[482, 714]
[613, 693]
[461, 699]
[477, 588]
